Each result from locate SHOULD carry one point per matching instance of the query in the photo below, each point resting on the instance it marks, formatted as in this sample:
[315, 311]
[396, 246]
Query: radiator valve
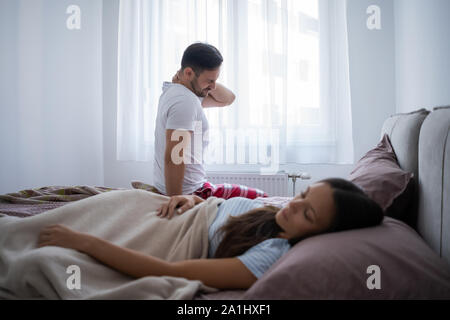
[295, 176]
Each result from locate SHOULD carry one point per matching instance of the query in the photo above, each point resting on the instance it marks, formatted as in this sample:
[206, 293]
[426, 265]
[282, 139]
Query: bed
[406, 257]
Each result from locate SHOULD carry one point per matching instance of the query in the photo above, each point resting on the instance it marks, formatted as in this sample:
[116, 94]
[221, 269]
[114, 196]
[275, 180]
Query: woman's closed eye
[306, 211]
[304, 193]
[307, 217]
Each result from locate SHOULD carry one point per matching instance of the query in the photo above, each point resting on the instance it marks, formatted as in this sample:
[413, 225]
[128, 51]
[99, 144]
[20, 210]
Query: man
[180, 118]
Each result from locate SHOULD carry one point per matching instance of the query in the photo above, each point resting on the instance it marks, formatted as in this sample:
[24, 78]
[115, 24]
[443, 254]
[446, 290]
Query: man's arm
[173, 167]
[219, 97]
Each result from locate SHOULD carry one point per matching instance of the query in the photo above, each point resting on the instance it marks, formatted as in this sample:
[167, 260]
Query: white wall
[50, 95]
[422, 55]
[372, 72]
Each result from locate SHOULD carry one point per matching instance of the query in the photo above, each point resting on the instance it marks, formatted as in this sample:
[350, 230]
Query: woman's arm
[229, 273]
[127, 261]
[130, 262]
[226, 273]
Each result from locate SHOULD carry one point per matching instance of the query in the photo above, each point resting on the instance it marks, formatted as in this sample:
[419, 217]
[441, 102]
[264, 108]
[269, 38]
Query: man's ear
[188, 73]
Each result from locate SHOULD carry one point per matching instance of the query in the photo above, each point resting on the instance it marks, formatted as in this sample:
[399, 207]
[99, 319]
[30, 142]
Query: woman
[245, 238]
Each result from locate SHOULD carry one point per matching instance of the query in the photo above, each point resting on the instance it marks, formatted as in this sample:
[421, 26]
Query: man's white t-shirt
[180, 109]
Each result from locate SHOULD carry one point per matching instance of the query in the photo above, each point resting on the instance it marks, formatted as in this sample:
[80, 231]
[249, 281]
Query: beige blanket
[126, 218]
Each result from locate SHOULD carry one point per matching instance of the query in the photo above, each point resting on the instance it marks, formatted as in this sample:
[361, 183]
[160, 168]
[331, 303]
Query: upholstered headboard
[421, 142]
[433, 221]
[404, 130]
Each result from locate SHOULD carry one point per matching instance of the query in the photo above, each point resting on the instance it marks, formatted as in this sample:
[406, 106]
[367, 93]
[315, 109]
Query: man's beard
[198, 92]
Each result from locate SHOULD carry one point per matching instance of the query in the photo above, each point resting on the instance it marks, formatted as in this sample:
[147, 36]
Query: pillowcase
[380, 176]
[389, 261]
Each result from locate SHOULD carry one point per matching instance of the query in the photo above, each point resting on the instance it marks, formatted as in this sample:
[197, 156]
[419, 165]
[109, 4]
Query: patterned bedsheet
[30, 202]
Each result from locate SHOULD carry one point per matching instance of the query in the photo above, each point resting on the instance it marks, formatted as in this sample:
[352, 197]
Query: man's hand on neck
[180, 79]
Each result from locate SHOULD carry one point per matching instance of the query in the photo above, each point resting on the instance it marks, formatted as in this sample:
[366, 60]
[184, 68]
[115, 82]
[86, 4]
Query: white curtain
[286, 61]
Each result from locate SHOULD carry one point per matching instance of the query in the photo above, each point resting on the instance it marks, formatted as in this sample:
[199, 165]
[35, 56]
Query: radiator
[273, 185]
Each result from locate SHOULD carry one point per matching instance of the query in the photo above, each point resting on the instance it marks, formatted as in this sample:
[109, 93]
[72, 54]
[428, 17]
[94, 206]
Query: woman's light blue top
[259, 258]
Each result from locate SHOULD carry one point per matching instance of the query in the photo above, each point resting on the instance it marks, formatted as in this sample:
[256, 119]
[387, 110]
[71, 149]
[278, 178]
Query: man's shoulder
[179, 98]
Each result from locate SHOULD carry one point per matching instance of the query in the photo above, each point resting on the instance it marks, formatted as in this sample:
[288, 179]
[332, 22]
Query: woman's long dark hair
[354, 209]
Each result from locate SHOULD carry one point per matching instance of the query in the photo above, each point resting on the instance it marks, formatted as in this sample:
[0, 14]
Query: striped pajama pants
[227, 191]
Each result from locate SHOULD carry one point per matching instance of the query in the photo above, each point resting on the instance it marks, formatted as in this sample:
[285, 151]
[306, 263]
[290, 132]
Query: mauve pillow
[336, 266]
[380, 176]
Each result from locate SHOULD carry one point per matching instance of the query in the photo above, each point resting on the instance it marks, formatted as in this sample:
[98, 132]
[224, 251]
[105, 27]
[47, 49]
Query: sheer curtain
[286, 61]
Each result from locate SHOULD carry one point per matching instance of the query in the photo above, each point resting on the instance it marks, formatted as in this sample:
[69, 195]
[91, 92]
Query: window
[286, 61]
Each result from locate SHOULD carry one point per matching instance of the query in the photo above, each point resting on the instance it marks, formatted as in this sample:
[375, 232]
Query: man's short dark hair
[201, 56]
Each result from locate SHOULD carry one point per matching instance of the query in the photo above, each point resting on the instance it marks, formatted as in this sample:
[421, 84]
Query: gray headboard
[422, 144]
[433, 221]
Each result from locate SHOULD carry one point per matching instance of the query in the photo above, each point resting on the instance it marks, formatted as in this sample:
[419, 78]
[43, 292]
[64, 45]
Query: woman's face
[309, 213]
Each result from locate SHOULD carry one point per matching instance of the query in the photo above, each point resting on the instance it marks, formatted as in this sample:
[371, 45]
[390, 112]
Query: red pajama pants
[227, 191]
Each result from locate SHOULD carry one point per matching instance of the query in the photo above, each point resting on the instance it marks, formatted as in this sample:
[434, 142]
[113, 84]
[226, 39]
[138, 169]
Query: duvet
[124, 217]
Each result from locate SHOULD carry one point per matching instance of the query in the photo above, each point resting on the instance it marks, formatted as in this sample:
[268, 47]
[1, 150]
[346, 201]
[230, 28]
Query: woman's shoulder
[274, 243]
[244, 201]
[239, 205]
